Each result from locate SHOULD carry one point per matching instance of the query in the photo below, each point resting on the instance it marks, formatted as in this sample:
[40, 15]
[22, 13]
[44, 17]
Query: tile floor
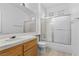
[50, 52]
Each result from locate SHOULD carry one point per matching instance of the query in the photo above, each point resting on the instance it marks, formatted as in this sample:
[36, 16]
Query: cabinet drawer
[13, 51]
[29, 44]
[31, 52]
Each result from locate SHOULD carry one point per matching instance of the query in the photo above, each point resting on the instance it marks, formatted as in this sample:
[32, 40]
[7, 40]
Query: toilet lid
[42, 43]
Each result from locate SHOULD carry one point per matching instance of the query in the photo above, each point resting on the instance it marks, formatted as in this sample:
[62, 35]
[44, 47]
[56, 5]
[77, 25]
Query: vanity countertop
[29, 33]
[7, 43]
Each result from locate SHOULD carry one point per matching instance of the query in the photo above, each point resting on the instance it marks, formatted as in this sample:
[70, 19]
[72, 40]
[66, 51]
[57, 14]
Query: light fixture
[22, 4]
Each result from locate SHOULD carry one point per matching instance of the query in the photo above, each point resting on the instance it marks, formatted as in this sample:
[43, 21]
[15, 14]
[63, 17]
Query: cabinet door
[30, 44]
[31, 52]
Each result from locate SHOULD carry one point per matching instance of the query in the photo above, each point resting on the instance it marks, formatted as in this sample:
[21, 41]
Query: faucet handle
[13, 37]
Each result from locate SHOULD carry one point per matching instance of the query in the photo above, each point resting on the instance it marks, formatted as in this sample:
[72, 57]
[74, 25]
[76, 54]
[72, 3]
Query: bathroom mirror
[16, 18]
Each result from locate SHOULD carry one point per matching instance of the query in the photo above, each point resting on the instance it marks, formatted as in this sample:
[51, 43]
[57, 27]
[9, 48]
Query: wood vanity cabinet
[13, 51]
[30, 48]
[26, 49]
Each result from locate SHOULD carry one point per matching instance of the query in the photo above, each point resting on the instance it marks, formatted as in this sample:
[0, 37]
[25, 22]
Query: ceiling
[52, 5]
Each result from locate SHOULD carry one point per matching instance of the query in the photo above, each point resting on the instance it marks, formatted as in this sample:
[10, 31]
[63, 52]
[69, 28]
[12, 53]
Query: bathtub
[60, 47]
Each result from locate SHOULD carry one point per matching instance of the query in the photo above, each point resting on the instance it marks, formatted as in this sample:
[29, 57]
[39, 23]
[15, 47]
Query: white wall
[75, 28]
[0, 20]
[75, 38]
[13, 18]
[58, 9]
[39, 12]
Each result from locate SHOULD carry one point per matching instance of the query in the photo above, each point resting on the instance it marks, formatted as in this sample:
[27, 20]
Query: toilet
[42, 45]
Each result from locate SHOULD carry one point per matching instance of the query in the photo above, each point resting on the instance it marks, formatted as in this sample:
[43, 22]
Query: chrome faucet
[13, 37]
